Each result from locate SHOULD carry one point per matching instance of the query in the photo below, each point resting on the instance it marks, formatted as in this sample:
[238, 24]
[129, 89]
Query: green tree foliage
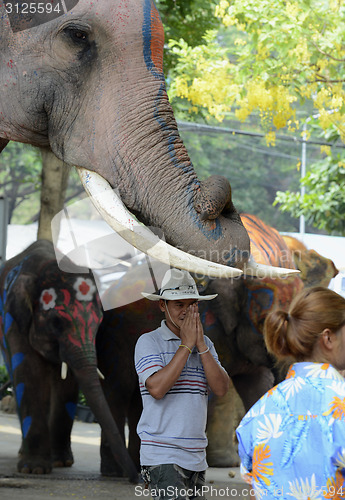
[20, 182]
[20, 169]
[187, 20]
[282, 53]
[274, 60]
[254, 170]
[323, 205]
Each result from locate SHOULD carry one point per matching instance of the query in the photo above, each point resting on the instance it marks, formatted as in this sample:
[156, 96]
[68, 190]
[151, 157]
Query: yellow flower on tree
[281, 53]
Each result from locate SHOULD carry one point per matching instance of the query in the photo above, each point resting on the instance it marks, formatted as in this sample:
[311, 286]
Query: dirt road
[83, 480]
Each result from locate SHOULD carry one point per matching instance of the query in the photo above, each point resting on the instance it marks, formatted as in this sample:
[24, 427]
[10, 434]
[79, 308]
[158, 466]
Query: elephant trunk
[89, 384]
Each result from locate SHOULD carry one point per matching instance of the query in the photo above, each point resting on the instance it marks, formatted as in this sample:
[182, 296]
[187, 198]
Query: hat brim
[155, 297]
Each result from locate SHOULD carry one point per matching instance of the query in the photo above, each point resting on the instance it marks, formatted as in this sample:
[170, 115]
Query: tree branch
[325, 53]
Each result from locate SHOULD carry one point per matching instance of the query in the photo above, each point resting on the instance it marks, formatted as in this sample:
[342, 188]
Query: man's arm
[217, 378]
[163, 380]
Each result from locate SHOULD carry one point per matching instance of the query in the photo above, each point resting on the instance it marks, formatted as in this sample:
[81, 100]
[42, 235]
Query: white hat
[177, 285]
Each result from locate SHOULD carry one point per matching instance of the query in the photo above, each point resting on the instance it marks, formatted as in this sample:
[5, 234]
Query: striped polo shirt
[172, 429]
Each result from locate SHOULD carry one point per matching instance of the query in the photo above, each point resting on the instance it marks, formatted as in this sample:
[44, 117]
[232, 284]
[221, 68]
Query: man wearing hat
[176, 364]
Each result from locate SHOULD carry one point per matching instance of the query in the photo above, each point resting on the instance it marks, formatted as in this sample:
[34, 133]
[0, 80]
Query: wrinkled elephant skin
[89, 85]
[47, 318]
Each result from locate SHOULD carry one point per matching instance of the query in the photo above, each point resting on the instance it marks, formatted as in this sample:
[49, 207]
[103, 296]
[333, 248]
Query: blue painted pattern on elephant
[259, 303]
[17, 359]
[19, 393]
[265, 294]
[26, 426]
[6, 320]
[12, 276]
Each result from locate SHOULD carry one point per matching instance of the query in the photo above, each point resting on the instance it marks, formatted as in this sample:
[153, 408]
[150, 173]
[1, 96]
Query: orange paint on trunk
[157, 40]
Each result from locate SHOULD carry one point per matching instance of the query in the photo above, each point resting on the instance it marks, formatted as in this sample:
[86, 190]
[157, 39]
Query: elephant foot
[63, 463]
[34, 465]
[62, 457]
[111, 470]
[109, 467]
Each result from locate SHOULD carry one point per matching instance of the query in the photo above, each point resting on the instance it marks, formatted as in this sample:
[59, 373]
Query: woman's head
[313, 329]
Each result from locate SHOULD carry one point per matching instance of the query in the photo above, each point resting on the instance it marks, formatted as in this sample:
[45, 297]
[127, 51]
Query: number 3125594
[32, 8]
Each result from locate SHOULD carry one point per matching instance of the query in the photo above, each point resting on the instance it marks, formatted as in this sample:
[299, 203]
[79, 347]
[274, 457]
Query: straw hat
[177, 284]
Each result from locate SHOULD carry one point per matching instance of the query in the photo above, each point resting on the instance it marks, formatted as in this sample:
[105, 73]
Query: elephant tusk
[123, 222]
[64, 368]
[263, 271]
[100, 374]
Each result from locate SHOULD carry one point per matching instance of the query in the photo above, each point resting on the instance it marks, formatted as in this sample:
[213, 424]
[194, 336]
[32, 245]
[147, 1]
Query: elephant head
[88, 84]
[48, 322]
[316, 270]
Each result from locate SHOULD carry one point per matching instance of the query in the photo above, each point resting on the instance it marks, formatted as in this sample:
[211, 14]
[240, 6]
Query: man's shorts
[172, 482]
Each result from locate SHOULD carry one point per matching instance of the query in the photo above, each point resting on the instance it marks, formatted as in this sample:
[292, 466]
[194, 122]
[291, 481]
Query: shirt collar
[308, 369]
[166, 333]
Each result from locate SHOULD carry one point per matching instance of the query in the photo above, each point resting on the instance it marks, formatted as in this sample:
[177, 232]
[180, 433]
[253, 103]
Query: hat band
[185, 289]
[178, 294]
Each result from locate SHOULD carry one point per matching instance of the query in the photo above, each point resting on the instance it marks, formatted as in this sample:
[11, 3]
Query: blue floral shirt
[292, 441]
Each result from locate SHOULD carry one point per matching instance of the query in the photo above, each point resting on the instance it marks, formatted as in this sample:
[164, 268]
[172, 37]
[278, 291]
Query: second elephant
[48, 323]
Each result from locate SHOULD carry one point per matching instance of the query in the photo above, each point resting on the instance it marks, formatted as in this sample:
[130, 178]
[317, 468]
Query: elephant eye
[77, 35]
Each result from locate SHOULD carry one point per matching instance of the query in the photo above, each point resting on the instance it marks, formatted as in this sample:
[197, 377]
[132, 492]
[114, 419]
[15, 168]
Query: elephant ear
[20, 299]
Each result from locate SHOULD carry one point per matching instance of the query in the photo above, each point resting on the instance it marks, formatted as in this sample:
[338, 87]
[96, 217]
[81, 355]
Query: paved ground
[83, 480]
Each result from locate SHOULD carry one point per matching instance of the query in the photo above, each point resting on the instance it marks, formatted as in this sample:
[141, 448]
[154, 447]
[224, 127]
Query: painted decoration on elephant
[84, 288]
[153, 34]
[267, 293]
[267, 246]
[48, 299]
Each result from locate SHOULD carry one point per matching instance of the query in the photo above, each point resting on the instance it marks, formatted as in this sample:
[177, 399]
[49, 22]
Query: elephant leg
[224, 415]
[133, 417]
[123, 412]
[253, 384]
[108, 465]
[64, 396]
[32, 391]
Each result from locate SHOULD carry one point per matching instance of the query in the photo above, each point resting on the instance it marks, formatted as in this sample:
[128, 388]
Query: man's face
[177, 310]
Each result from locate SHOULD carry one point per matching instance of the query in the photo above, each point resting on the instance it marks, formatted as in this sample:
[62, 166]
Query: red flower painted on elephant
[48, 299]
[84, 288]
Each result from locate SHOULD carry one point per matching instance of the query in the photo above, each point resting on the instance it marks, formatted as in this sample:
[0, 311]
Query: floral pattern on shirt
[292, 441]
